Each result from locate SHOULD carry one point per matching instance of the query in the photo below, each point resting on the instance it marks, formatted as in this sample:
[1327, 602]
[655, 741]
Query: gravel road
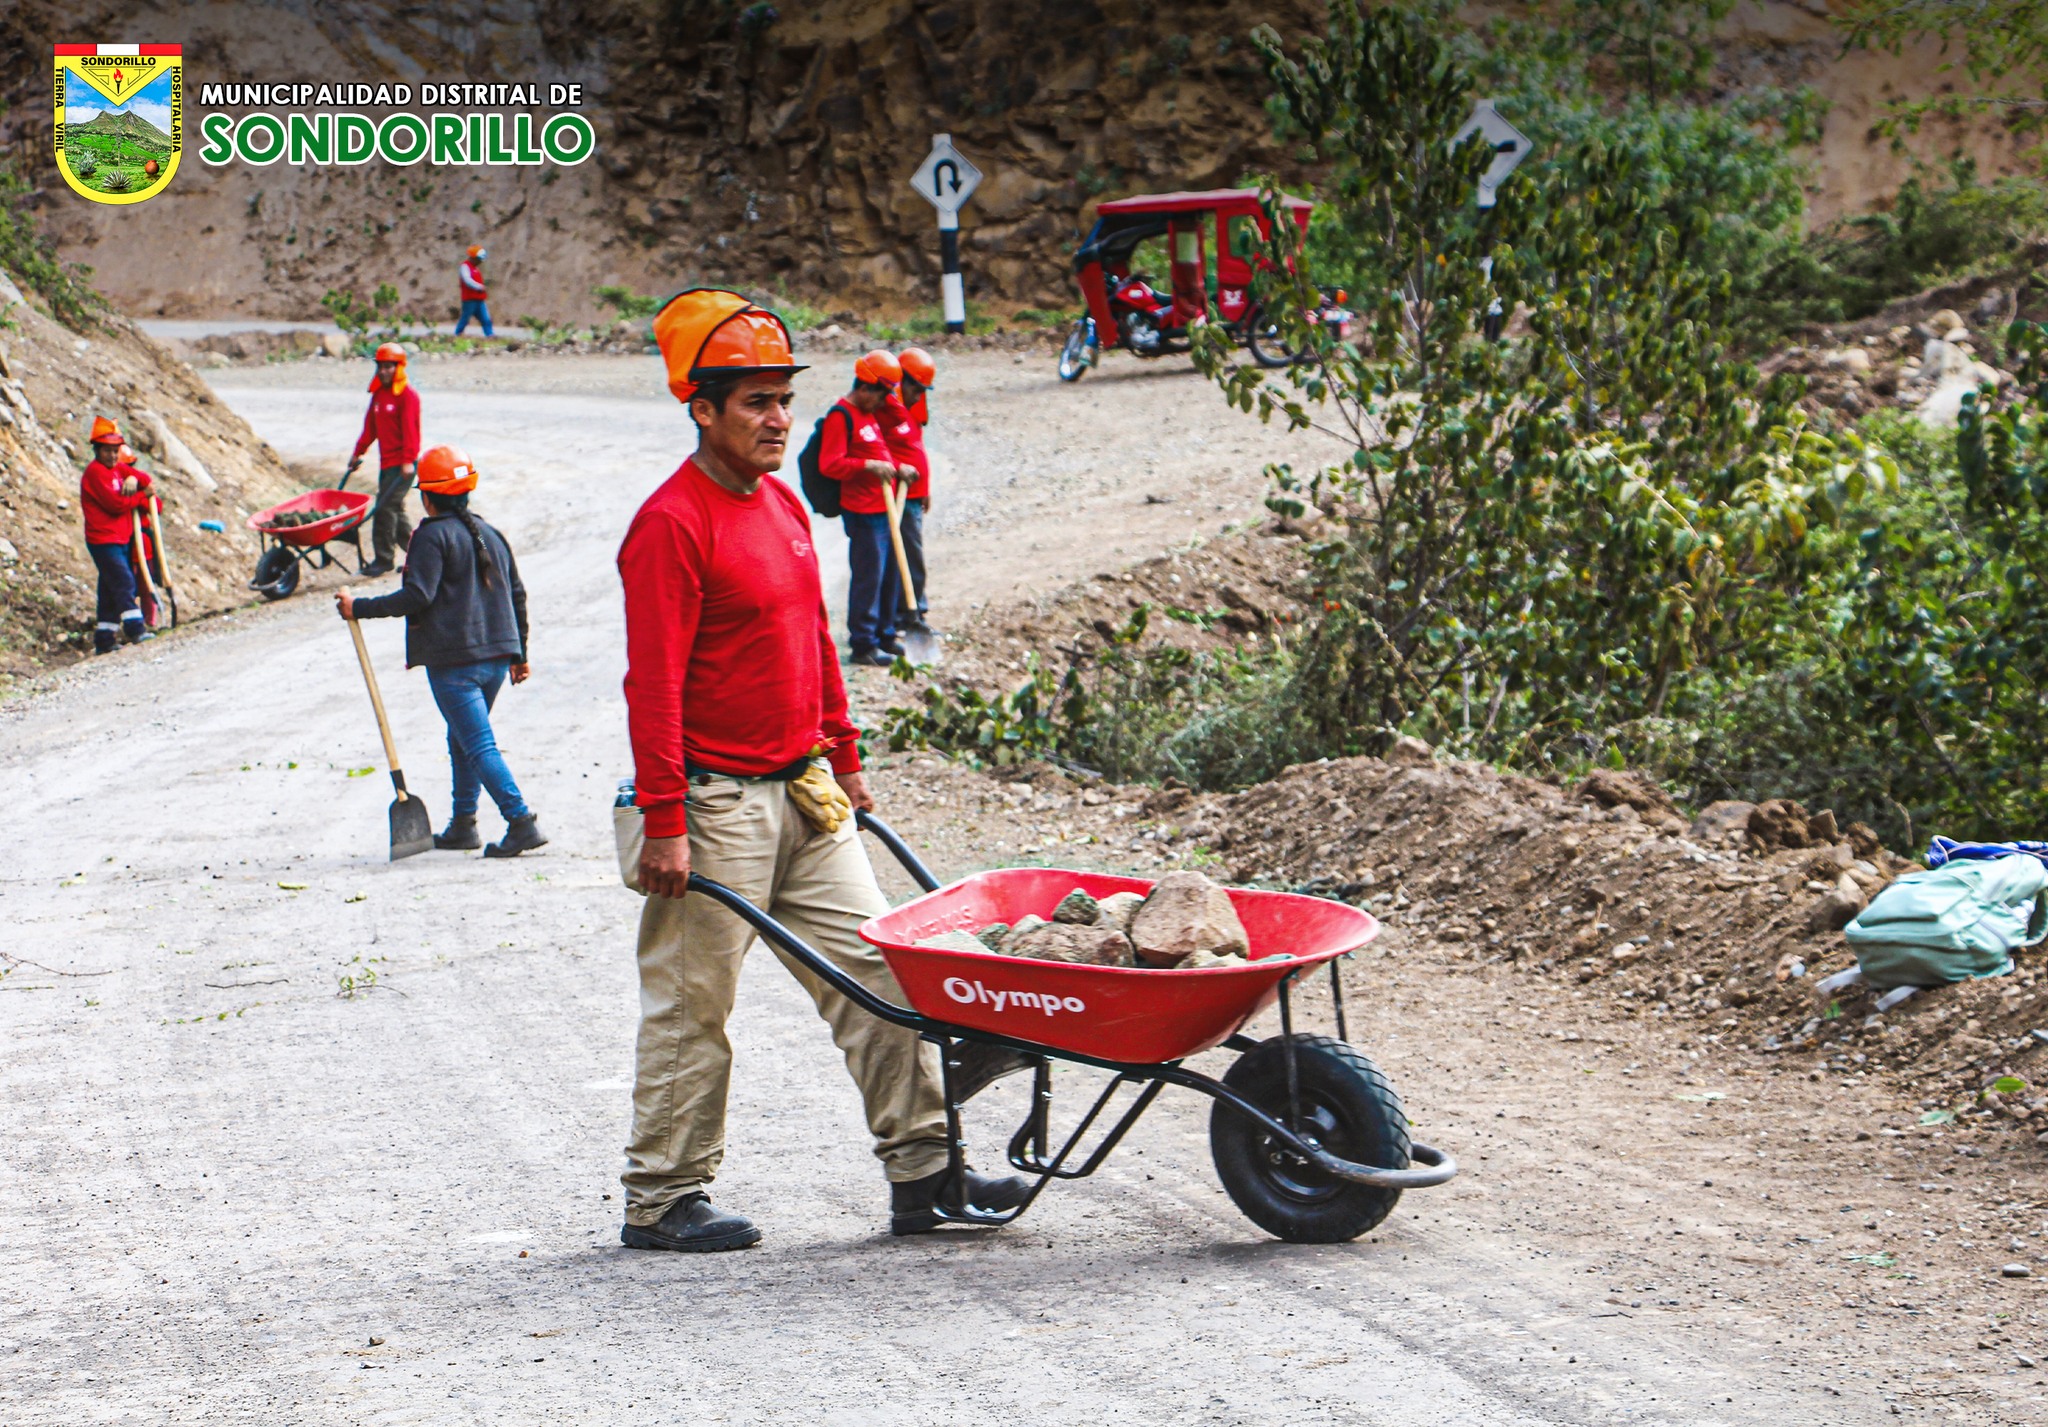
[235, 1195]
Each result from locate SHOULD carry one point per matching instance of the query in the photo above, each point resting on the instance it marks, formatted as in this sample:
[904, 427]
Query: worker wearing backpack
[842, 468]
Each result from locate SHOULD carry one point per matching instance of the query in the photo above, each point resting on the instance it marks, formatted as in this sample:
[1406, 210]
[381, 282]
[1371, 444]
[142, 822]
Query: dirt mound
[1724, 927]
[208, 466]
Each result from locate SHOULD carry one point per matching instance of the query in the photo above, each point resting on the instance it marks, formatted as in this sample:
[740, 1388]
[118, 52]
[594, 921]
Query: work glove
[820, 799]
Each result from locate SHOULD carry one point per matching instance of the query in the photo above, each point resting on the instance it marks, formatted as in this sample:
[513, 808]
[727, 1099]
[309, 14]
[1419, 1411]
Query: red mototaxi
[1126, 309]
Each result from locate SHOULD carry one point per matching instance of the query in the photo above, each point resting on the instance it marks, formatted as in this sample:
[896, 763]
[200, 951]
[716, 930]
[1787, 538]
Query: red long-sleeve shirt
[904, 434]
[729, 656]
[105, 508]
[841, 455]
[393, 422]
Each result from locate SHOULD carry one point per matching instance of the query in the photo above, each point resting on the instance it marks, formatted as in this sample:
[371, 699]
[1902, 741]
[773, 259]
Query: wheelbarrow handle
[886, 835]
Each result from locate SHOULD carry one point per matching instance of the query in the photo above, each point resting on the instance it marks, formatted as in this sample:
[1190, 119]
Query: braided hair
[458, 506]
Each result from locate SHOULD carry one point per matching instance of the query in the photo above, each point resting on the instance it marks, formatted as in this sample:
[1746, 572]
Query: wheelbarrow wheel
[1347, 1107]
[277, 573]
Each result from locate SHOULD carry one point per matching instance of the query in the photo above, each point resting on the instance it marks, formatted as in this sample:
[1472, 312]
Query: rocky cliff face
[761, 151]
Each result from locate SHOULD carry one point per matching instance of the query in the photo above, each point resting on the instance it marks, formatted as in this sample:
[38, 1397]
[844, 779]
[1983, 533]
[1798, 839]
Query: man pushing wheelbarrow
[747, 771]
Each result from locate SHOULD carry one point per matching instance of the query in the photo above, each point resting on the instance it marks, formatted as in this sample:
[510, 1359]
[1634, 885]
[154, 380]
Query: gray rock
[1064, 941]
[1078, 909]
[1026, 924]
[954, 941]
[1411, 752]
[1722, 822]
[1117, 909]
[1197, 960]
[2015, 1270]
[1186, 913]
[1839, 907]
[991, 936]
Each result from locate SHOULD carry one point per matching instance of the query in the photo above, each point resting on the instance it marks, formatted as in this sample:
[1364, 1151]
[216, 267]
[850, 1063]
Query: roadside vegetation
[1609, 539]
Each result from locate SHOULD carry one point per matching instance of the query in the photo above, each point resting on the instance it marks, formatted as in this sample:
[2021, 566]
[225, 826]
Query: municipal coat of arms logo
[120, 119]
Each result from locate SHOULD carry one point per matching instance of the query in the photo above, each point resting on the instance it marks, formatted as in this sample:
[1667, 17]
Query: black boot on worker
[521, 835]
[382, 565]
[692, 1226]
[914, 1206]
[459, 836]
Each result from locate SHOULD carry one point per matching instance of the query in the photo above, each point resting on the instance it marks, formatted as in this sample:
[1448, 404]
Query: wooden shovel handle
[377, 702]
[141, 549]
[893, 498]
[156, 531]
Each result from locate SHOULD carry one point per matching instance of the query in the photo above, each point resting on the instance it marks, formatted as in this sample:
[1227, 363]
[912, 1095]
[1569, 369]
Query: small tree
[1533, 538]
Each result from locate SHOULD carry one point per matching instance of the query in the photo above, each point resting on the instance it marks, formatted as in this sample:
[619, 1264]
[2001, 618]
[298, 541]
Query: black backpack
[820, 489]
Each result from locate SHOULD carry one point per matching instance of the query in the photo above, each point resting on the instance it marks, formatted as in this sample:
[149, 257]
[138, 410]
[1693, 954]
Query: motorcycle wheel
[1075, 357]
[1262, 340]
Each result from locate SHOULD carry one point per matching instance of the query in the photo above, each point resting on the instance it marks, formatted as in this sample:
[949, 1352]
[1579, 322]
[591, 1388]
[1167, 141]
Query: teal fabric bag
[1954, 923]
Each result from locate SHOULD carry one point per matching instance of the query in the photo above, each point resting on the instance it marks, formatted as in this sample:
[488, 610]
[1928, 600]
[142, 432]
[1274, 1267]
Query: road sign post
[1510, 146]
[947, 180]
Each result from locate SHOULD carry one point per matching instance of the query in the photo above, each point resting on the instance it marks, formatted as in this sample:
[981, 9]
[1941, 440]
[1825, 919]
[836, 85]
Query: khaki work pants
[748, 834]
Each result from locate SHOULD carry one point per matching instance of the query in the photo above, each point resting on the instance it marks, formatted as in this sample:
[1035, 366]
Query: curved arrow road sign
[945, 179]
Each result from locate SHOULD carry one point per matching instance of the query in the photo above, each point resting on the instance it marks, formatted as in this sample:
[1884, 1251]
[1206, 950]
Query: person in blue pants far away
[475, 299]
[465, 620]
[853, 451]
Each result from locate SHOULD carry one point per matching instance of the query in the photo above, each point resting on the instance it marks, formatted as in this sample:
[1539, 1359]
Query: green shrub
[626, 302]
[116, 180]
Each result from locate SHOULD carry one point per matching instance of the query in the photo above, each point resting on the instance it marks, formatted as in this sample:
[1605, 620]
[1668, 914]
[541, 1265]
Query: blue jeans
[464, 693]
[119, 614]
[474, 307]
[872, 598]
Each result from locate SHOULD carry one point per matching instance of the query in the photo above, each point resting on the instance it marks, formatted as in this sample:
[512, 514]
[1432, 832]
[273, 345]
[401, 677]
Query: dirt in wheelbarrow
[1634, 1159]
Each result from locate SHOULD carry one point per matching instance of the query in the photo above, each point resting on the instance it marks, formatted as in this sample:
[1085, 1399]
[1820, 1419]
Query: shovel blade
[412, 831]
[922, 646]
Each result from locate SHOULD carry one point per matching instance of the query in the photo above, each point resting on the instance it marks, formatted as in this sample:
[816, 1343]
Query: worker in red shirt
[109, 492]
[854, 453]
[747, 770]
[904, 417]
[393, 422]
[469, 279]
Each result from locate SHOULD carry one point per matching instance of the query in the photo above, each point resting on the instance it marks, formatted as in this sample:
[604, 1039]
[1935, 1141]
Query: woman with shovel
[465, 620]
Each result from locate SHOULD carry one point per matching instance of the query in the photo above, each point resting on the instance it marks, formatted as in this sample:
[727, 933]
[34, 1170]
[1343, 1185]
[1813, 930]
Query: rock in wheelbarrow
[954, 941]
[1186, 913]
[1117, 909]
[1063, 941]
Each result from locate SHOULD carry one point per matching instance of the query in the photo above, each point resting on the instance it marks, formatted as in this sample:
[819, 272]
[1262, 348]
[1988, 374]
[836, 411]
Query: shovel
[920, 646]
[145, 587]
[412, 831]
[163, 561]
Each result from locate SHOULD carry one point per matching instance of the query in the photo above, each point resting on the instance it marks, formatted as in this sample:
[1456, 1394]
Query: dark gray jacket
[451, 617]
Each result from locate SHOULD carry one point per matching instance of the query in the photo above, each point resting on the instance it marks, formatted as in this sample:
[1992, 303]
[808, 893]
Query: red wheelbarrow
[1308, 1137]
[290, 546]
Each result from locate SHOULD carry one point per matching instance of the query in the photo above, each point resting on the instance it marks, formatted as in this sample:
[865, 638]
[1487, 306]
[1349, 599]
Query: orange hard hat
[917, 364]
[446, 470]
[708, 332]
[106, 433]
[878, 368]
[474, 251]
[391, 352]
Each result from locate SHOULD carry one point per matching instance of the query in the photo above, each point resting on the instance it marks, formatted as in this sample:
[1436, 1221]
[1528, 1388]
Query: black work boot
[459, 836]
[913, 1207]
[692, 1226]
[381, 565]
[890, 644]
[521, 835]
